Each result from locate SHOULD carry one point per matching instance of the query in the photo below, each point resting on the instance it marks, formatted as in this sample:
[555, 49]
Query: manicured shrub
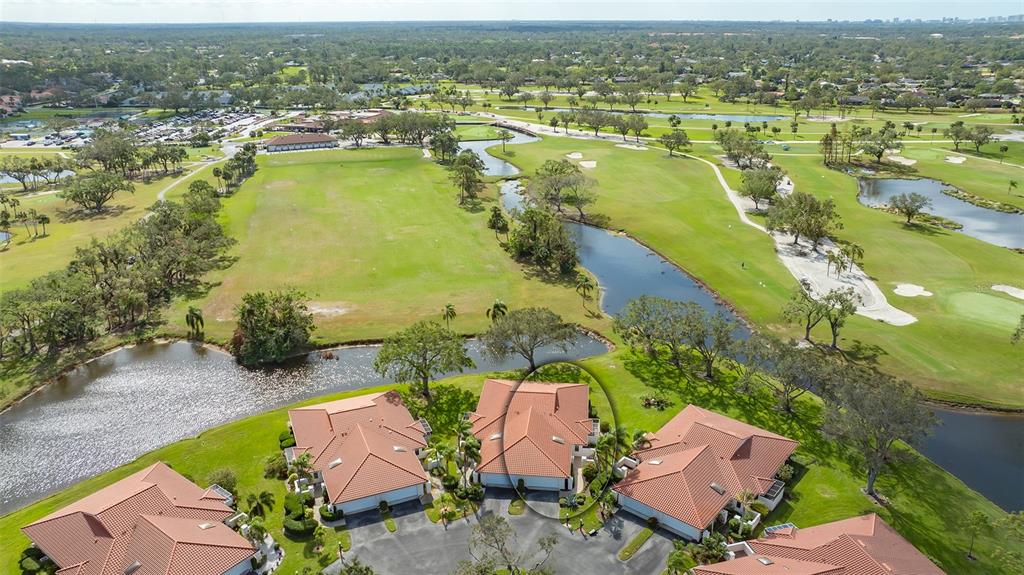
[30, 565]
[759, 507]
[327, 515]
[590, 471]
[275, 467]
[384, 507]
[450, 482]
[605, 427]
[299, 527]
[521, 485]
[580, 499]
[293, 507]
[306, 499]
[287, 442]
[225, 477]
[563, 502]
[652, 522]
[785, 473]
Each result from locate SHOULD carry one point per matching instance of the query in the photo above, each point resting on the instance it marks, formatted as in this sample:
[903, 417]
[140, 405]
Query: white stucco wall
[531, 481]
[392, 497]
[645, 512]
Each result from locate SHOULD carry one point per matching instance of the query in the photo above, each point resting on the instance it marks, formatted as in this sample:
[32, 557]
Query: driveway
[420, 546]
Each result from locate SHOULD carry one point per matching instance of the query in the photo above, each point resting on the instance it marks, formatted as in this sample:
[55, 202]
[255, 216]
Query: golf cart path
[806, 265]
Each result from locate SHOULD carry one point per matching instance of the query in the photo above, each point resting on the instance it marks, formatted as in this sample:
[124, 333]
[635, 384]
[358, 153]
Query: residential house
[363, 450]
[863, 545]
[695, 467]
[539, 434]
[293, 142]
[152, 522]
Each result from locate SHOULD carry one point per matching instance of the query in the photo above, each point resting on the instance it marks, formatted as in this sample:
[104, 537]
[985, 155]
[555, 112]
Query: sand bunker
[574, 155]
[901, 160]
[631, 146]
[588, 164]
[911, 290]
[828, 119]
[1010, 290]
[955, 159]
[426, 153]
[328, 308]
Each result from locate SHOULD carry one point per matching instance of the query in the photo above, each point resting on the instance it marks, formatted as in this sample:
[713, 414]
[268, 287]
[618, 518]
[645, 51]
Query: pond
[120, 406]
[734, 118]
[991, 226]
[496, 166]
[37, 179]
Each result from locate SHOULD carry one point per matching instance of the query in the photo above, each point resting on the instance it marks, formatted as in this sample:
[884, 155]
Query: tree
[838, 305]
[194, 321]
[804, 215]
[1018, 334]
[710, 335]
[257, 531]
[804, 310]
[545, 97]
[505, 136]
[497, 221]
[957, 132]
[448, 314]
[260, 503]
[677, 139]
[497, 310]
[421, 351]
[875, 412]
[354, 567]
[979, 136]
[466, 172]
[225, 477]
[1012, 186]
[524, 332]
[910, 205]
[271, 326]
[93, 191]
[584, 286]
[761, 184]
[976, 523]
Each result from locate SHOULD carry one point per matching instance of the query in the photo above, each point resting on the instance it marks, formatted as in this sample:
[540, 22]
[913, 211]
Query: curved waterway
[739, 118]
[132, 401]
[496, 166]
[992, 226]
[122, 405]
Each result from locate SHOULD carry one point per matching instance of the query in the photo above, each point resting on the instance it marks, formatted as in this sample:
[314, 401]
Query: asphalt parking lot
[420, 546]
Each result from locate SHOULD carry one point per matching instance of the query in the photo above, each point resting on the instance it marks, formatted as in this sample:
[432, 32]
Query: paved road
[420, 546]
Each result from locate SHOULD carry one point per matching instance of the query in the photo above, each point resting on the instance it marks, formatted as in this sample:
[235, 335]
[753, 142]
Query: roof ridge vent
[132, 568]
[205, 526]
[655, 462]
[765, 561]
[334, 463]
[495, 436]
[558, 439]
[399, 448]
[718, 488]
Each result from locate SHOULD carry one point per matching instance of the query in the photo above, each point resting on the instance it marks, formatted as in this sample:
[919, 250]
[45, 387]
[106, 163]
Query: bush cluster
[286, 439]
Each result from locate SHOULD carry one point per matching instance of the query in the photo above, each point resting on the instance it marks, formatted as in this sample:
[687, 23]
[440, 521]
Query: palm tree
[745, 498]
[194, 320]
[257, 531]
[584, 286]
[1012, 186]
[448, 314]
[640, 440]
[853, 253]
[43, 220]
[497, 310]
[612, 444]
[505, 136]
[302, 465]
[259, 504]
[470, 454]
[217, 173]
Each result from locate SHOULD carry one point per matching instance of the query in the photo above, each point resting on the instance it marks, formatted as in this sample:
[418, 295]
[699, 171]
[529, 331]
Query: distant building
[301, 142]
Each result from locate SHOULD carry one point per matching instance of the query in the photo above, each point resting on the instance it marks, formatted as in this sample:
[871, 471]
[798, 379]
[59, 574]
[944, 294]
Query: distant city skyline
[215, 11]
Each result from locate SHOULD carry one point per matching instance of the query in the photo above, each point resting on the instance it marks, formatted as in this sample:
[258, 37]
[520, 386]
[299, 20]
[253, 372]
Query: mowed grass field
[959, 350]
[927, 505]
[30, 257]
[984, 176]
[376, 240]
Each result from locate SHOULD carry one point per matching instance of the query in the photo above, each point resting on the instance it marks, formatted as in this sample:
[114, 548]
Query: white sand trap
[1010, 290]
[588, 164]
[911, 290]
[828, 119]
[426, 153]
[574, 155]
[631, 146]
[955, 159]
[968, 115]
[901, 160]
[328, 308]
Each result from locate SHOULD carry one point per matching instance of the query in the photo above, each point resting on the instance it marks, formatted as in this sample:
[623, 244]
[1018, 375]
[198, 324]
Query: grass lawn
[517, 506]
[677, 207]
[389, 521]
[984, 176]
[376, 240]
[468, 132]
[28, 258]
[927, 504]
[634, 544]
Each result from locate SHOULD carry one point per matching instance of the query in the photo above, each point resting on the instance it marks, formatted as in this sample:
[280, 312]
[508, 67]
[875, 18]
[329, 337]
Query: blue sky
[165, 11]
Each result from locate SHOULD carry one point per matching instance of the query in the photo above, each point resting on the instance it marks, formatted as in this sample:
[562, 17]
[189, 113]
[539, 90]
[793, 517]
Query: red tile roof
[364, 445]
[762, 565]
[529, 428]
[863, 545]
[300, 139]
[153, 517]
[696, 449]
